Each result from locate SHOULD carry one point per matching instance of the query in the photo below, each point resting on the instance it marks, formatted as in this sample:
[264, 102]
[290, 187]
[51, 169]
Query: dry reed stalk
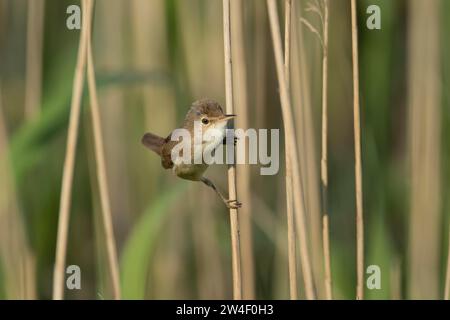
[292, 149]
[292, 255]
[69, 162]
[321, 9]
[102, 180]
[33, 79]
[447, 273]
[327, 257]
[303, 68]
[234, 221]
[358, 166]
[287, 41]
[424, 125]
[324, 161]
[243, 171]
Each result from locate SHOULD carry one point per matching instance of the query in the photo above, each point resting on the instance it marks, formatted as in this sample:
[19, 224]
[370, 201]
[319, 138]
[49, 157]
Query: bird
[211, 117]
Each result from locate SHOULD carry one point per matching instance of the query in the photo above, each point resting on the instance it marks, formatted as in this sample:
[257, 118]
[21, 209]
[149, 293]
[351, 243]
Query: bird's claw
[235, 140]
[233, 204]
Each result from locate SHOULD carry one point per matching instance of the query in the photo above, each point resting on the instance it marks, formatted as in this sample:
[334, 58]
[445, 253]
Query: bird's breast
[190, 171]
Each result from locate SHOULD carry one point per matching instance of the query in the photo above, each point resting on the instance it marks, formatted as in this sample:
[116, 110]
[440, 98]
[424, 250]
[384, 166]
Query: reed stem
[102, 180]
[234, 221]
[292, 254]
[358, 166]
[243, 171]
[69, 162]
[324, 162]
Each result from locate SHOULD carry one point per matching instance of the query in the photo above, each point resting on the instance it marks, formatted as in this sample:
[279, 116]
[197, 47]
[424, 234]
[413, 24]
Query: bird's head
[209, 113]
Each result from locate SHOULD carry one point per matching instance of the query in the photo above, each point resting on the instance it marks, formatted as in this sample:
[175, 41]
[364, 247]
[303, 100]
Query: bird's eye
[205, 121]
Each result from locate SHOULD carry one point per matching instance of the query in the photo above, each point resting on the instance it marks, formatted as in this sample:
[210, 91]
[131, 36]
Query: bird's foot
[235, 140]
[233, 204]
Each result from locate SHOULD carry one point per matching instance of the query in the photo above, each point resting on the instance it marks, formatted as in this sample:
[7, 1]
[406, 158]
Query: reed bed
[292, 149]
[104, 203]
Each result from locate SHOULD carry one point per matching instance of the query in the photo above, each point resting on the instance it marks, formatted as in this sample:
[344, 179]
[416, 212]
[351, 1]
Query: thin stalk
[102, 180]
[291, 146]
[287, 41]
[324, 162]
[69, 162]
[306, 144]
[234, 221]
[292, 255]
[327, 257]
[358, 166]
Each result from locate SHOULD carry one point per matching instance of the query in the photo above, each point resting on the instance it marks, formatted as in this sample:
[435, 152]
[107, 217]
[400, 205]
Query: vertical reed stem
[324, 162]
[101, 173]
[327, 257]
[234, 222]
[358, 166]
[424, 82]
[292, 255]
[69, 163]
[291, 149]
[243, 171]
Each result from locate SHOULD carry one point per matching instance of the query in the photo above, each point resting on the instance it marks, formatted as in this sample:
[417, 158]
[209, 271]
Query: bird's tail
[153, 142]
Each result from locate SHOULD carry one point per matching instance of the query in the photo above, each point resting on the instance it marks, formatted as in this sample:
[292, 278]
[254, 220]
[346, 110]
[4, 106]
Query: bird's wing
[166, 152]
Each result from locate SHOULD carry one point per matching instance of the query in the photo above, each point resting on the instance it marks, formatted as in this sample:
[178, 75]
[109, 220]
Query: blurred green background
[153, 58]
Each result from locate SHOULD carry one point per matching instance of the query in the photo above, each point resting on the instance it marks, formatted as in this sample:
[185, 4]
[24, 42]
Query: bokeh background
[153, 58]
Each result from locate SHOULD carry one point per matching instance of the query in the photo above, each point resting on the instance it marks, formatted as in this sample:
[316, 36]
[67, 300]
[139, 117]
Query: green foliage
[141, 242]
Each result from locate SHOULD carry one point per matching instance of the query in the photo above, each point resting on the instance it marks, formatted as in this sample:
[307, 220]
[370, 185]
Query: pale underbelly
[190, 171]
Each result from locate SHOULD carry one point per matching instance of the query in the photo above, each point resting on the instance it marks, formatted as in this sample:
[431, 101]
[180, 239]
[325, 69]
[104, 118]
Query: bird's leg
[233, 204]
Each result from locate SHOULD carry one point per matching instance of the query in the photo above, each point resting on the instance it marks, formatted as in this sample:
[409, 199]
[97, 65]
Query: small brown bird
[210, 116]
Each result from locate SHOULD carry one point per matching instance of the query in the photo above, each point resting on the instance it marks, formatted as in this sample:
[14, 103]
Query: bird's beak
[227, 117]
